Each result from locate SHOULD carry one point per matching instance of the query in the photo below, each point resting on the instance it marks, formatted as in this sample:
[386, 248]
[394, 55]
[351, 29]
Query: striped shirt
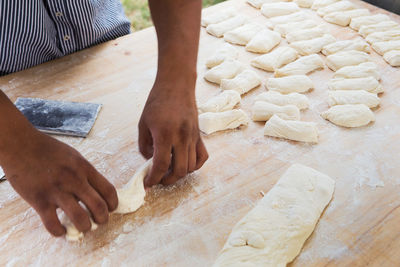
[36, 31]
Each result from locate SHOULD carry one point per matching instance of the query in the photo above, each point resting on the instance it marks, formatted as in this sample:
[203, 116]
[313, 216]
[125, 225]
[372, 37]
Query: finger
[201, 153]
[192, 157]
[78, 216]
[145, 141]
[51, 222]
[104, 188]
[161, 162]
[96, 205]
[179, 164]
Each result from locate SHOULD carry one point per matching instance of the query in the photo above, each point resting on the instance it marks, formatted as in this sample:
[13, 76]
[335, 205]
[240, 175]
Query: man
[49, 174]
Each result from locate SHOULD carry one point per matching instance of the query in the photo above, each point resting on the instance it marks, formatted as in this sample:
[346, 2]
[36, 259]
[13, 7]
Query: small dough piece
[336, 7]
[301, 66]
[275, 59]
[393, 57]
[383, 36]
[293, 130]
[286, 28]
[383, 47]
[345, 45]
[305, 34]
[304, 3]
[346, 58]
[367, 69]
[369, 84]
[279, 9]
[344, 97]
[274, 231]
[242, 83]
[343, 18]
[217, 17]
[299, 100]
[72, 233]
[322, 3]
[356, 23]
[226, 51]
[226, 70]
[387, 25]
[290, 84]
[226, 100]
[219, 29]
[264, 41]
[211, 122]
[258, 3]
[297, 16]
[349, 115]
[243, 34]
[313, 46]
[263, 111]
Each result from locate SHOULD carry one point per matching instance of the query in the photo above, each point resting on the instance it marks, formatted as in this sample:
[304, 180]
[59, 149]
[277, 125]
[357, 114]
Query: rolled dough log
[286, 28]
[343, 18]
[343, 97]
[305, 34]
[299, 100]
[345, 45]
[301, 66]
[392, 35]
[383, 47]
[349, 115]
[297, 16]
[290, 84]
[313, 46]
[211, 122]
[393, 57]
[226, 70]
[226, 100]
[226, 51]
[317, 4]
[383, 26]
[293, 130]
[363, 70]
[264, 41]
[263, 111]
[259, 3]
[369, 84]
[279, 9]
[274, 231]
[279, 57]
[356, 23]
[217, 17]
[219, 29]
[242, 83]
[304, 3]
[335, 7]
[346, 58]
[243, 34]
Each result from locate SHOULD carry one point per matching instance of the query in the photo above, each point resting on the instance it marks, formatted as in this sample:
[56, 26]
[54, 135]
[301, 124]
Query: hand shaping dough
[343, 18]
[243, 34]
[343, 97]
[346, 58]
[286, 28]
[302, 66]
[336, 7]
[211, 122]
[322, 3]
[226, 100]
[345, 45]
[296, 99]
[313, 46]
[349, 115]
[305, 34]
[369, 84]
[275, 59]
[297, 16]
[382, 47]
[279, 9]
[367, 69]
[304, 3]
[217, 17]
[264, 41]
[356, 23]
[293, 130]
[219, 29]
[393, 57]
[383, 36]
[226, 70]
[242, 83]
[263, 111]
[227, 51]
[387, 25]
[274, 231]
[290, 84]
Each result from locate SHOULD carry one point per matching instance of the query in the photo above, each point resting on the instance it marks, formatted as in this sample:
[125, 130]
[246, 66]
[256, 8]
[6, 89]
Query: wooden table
[187, 224]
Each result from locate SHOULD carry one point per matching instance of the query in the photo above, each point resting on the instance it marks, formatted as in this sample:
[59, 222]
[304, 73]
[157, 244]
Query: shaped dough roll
[242, 83]
[263, 111]
[226, 100]
[259, 3]
[297, 16]
[296, 99]
[219, 29]
[226, 70]
[279, 9]
[211, 122]
[346, 58]
[356, 23]
[304, 3]
[383, 26]
[364, 70]
[383, 47]
[227, 51]
[343, 97]
[349, 115]
[290, 84]
[343, 18]
[336, 7]
[313, 46]
[317, 4]
[264, 41]
[345, 45]
[293, 130]
[275, 59]
[301, 66]
[305, 34]
[393, 57]
[383, 36]
[369, 84]
[243, 34]
[286, 28]
[217, 17]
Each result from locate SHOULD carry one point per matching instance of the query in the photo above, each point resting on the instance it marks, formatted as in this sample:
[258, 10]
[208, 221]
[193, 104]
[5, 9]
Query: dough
[305, 34]
[226, 51]
[349, 115]
[304, 3]
[383, 36]
[279, 57]
[345, 45]
[393, 57]
[263, 111]
[259, 3]
[73, 234]
[219, 29]
[369, 84]
[274, 231]
[217, 17]
[286, 28]
[383, 47]
[322, 3]
[301, 66]
[299, 100]
[264, 41]
[356, 23]
[343, 18]
[293, 130]
[290, 84]
[279, 9]
[243, 34]
[343, 97]
[336, 7]
[226, 70]
[367, 69]
[387, 25]
[346, 58]
[226, 100]
[297, 16]
[242, 83]
[211, 122]
[313, 46]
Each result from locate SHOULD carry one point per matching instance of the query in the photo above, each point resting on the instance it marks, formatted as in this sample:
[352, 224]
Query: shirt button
[67, 37]
[58, 14]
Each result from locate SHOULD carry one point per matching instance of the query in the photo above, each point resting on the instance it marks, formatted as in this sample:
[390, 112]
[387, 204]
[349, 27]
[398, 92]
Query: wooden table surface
[188, 223]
